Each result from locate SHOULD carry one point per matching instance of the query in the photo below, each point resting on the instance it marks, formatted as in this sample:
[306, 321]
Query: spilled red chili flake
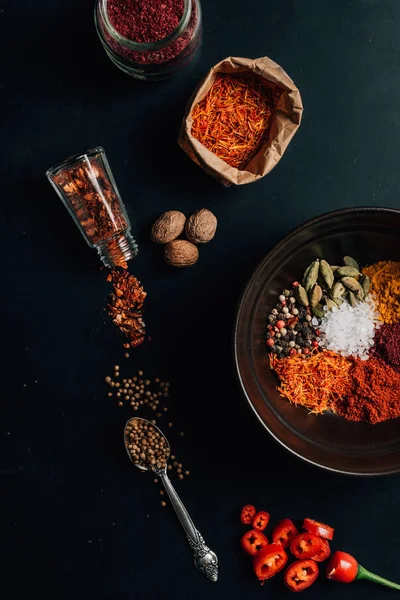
[126, 305]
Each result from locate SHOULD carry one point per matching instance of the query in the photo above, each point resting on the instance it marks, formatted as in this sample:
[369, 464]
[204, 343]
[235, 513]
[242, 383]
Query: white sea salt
[349, 330]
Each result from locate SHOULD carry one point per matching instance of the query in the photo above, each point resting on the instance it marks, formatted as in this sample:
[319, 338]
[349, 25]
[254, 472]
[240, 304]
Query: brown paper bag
[286, 120]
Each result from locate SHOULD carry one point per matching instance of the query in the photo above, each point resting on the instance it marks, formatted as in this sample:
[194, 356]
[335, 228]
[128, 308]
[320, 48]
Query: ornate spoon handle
[205, 560]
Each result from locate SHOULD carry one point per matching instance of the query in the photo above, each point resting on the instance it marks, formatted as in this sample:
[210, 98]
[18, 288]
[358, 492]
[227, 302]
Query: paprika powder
[373, 392]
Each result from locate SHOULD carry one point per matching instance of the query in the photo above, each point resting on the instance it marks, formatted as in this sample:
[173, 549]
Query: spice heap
[387, 345]
[385, 281]
[312, 383]
[126, 306]
[350, 330]
[290, 327]
[352, 364]
[147, 447]
[234, 118]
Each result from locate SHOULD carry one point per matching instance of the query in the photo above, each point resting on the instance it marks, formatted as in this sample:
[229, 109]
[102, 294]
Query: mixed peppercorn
[291, 327]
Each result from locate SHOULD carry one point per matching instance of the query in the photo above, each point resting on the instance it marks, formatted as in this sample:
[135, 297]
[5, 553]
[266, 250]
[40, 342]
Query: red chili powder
[387, 344]
[145, 21]
[373, 394]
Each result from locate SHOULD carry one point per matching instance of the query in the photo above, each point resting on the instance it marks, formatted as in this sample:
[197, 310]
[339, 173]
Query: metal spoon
[205, 560]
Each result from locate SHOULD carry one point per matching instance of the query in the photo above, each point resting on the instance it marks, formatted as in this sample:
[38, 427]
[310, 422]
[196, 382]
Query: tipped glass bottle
[87, 188]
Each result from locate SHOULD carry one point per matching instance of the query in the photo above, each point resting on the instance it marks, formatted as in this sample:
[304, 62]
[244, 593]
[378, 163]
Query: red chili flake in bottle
[87, 188]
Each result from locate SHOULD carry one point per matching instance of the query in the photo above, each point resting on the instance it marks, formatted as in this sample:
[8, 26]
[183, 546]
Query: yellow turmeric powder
[385, 288]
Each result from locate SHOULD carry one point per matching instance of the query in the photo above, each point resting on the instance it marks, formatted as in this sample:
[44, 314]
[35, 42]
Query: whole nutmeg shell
[201, 227]
[181, 253]
[168, 227]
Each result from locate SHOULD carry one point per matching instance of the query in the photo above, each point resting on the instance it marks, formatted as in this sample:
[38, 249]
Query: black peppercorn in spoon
[149, 450]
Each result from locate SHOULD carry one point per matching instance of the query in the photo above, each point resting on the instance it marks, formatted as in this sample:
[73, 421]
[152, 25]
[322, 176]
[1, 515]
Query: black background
[78, 521]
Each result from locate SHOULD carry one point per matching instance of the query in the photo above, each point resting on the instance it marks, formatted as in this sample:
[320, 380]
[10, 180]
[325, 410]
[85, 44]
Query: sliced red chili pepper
[247, 514]
[253, 541]
[260, 520]
[269, 561]
[318, 528]
[305, 545]
[284, 532]
[301, 574]
[325, 551]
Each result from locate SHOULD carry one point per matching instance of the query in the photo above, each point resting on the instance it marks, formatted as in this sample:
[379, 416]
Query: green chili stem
[364, 574]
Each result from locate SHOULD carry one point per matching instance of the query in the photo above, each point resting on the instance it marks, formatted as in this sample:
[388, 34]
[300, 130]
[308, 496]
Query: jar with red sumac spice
[87, 188]
[149, 39]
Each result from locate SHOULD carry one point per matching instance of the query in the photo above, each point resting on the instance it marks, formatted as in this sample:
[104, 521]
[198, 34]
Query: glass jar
[87, 188]
[156, 60]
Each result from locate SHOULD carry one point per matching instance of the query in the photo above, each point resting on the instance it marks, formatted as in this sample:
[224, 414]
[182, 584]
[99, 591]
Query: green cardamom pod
[316, 295]
[312, 276]
[337, 291]
[350, 262]
[334, 268]
[318, 311]
[330, 304]
[326, 273]
[365, 284]
[348, 272]
[352, 299]
[353, 285]
[302, 296]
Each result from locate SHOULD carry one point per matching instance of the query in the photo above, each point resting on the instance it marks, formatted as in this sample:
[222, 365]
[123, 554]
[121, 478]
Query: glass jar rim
[74, 159]
[146, 46]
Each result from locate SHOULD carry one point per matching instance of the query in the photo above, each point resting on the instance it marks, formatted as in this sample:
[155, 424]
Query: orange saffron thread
[234, 118]
[314, 383]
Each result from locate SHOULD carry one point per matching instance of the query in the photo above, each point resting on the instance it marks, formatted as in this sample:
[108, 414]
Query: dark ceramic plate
[328, 441]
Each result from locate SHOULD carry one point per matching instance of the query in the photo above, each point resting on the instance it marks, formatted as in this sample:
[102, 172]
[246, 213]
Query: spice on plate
[350, 330]
[387, 345]
[234, 118]
[126, 305]
[313, 383]
[373, 392]
[385, 287]
[147, 446]
[86, 186]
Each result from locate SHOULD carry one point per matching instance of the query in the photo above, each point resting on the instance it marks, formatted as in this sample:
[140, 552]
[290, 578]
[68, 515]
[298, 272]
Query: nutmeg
[168, 227]
[201, 227]
[181, 253]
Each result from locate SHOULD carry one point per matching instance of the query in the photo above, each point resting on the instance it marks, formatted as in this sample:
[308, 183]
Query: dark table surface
[78, 521]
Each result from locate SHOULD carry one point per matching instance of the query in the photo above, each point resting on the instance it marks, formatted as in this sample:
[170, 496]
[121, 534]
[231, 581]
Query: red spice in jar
[149, 21]
[387, 344]
[145, 21]
[373, 392]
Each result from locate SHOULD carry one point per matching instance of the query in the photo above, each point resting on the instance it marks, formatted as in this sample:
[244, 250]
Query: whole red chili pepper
[301, 575]
[284, 532]
[269, 561]
[260, 520]
[305, 545]
[344, 568]
[318, 528]
[253, 541]
[248, 512]
[324, 553]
